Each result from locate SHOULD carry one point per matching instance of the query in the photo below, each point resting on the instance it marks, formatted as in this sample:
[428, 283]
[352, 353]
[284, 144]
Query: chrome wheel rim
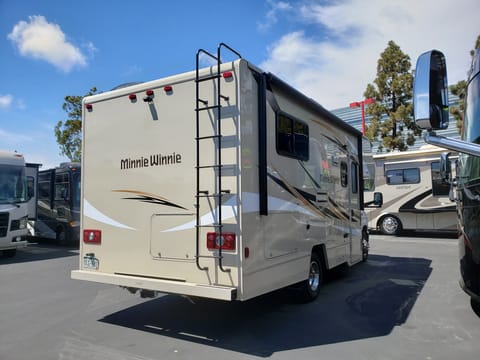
[314, 276]
[390, 225]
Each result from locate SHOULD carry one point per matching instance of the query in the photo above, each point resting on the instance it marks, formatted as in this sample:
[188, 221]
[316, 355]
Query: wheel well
[322, 254]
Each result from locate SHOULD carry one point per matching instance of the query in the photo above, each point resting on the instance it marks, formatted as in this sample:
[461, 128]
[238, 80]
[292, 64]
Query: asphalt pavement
[403, 303]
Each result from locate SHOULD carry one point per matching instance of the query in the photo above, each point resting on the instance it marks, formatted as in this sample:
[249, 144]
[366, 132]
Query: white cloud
[42, 40]
[6, 101]
[334, 62]
[271, 17]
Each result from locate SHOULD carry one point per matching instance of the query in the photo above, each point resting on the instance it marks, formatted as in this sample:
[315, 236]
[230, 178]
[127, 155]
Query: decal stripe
[93, 213]
[150, 198]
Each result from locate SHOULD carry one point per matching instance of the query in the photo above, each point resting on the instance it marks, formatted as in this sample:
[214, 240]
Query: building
[354, 118]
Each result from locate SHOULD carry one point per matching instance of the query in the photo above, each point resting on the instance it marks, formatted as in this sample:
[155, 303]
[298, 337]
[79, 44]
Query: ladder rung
[208, 107]
[206, 78]
[208, 137]
[209, 166]
[209, 226]
[224, 192]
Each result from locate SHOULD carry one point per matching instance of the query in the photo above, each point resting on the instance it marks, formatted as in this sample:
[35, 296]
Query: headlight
[19, 224]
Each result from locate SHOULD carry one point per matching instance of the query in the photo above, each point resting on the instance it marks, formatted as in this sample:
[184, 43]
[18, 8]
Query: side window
[403, 176]
[44, 190]
[354, 168]
[30, 186]
[292, 137]
[439, 188]
[61, 187]
[343, 174]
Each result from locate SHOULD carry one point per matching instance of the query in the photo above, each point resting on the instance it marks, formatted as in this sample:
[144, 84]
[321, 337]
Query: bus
[58, 204]
[415, 198]
[431, 113]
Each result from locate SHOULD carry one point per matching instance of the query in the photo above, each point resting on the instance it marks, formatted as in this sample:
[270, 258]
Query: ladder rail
[218, 135]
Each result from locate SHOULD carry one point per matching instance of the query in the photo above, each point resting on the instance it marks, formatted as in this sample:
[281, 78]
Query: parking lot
[403, 303]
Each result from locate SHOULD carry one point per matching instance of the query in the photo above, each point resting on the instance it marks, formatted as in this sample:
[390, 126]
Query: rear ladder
[203, 104]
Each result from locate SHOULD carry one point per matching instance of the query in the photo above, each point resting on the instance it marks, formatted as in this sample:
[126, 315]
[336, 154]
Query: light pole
[362, 105]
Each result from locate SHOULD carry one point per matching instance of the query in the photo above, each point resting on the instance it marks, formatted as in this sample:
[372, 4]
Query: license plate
[90, 262]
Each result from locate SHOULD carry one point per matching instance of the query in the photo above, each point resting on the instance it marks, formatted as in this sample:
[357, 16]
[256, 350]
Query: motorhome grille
[3, 224]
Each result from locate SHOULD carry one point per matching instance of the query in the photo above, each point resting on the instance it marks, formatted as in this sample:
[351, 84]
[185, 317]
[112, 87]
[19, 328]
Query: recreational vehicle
[58, 205]
[223, 182]
[414, 195]
[431, 113]
[13, 203]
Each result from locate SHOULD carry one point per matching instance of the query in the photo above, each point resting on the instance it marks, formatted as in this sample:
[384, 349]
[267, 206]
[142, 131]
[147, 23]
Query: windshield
[13, 184]
[76, 190]
[469, 165]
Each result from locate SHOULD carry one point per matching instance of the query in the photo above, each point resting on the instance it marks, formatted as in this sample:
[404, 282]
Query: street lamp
[362, 105]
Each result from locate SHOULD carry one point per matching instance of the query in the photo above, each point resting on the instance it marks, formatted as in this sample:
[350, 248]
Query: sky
[327, 49]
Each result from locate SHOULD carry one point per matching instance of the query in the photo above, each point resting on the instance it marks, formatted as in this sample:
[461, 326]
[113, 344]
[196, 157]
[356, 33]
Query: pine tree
[391, 116]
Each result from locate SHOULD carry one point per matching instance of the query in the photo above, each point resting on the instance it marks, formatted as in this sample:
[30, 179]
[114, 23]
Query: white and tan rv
[415, 197]
[14, 203]
[224, 182]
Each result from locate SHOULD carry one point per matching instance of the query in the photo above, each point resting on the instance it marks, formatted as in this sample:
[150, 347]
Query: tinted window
[292, 137]
[354, 178]
[343, 174]
[439, 188]
[403, 176]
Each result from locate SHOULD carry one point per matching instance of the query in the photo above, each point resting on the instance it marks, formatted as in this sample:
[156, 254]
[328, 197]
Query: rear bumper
[166, 286]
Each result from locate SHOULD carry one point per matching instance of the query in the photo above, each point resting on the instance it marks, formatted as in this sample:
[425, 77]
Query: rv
[431, 113]
[414, 195]
[223, 182]
[58, 204]
[13, 203]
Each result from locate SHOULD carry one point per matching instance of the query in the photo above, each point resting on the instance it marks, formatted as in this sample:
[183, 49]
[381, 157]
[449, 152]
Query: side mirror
[378, 199]
[376, 202]
[445, 167]
[430, 91]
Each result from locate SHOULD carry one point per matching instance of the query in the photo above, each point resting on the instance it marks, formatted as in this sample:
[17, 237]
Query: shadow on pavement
[366, 301]
[37, 251]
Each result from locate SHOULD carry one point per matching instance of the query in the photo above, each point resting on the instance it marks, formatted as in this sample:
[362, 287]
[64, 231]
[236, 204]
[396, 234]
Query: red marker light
[149, 92]
[168, 88]
[227, 75]
[226, 241]
[92, 236]
[132, 97]
[88, 106]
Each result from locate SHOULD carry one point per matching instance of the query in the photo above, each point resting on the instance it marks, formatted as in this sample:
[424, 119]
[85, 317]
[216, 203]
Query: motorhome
[415, 197]
[224, 182]
[58, 204]
[13, 203]
[431, 113]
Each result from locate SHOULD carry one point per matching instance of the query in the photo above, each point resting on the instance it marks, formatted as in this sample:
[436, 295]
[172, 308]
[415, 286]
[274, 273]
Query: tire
[390, 225]
[10, 253]
[475, 306]
[365, 245]
[61, 236]
[310, 288]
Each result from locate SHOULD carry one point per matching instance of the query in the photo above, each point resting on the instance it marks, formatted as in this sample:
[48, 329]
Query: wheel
[310, 288]
[365, 245]
[61, 237]
[9, 253]
[475, 306]
[390, 225]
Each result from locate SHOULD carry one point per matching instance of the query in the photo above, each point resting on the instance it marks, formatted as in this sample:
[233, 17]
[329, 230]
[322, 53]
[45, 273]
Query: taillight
[226, 241]
[92, 236]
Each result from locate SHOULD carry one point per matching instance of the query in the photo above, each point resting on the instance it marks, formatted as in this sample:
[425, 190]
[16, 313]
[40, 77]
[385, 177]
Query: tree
[391, 116]
[458, 89]
[69, 133]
